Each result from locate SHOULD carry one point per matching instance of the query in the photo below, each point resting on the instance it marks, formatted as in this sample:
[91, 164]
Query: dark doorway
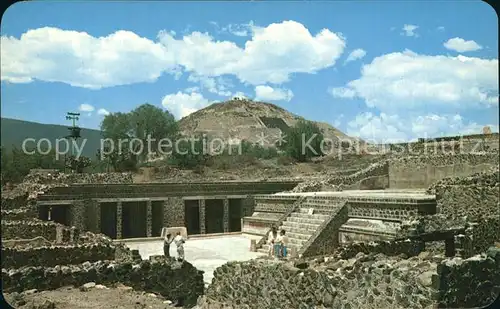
[157, 216]
[214, 215]
[108, 219]
[192, 217]
[235, 214]
[43, 212]
[60, 214]
[134, 219]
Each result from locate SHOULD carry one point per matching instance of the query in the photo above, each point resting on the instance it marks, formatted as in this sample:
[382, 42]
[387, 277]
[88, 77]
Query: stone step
[299, 235]
[305, 215]
[305, 220]
[289, 226]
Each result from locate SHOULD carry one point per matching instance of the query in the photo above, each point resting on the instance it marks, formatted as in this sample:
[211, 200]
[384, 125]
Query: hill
[14, 132]
[240, 119]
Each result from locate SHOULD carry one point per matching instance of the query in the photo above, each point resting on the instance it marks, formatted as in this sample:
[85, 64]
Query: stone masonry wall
[23, 213]
[338, 183]
[422, 171]
[458, 278]
[475, 196]
[56, 255]
[32, 229]
[171, 279]
[372, 281]
[173, 212]
[360, 281]
[326, 239]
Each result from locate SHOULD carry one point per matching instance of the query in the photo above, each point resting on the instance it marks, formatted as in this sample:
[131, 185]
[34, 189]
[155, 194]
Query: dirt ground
[98, 297]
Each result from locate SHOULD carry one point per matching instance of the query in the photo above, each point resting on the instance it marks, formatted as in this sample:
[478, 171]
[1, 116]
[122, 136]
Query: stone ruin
[358, 249]
[44, 255]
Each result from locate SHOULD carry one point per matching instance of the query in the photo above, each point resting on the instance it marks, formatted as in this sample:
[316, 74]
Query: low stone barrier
[23, 213]
[177, 281]
[56, 255]
[388, 248]
[363, 282]
[470, 283]
[25, 229]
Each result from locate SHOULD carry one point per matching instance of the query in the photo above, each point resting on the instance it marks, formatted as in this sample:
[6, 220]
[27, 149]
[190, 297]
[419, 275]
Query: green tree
[303, 141]
[189, 153]
[147, 124]
[16, 164]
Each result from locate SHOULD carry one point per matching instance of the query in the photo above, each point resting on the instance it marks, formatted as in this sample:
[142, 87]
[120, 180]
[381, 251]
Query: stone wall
[388, 248]
[34, 228]
[70, 178]
[171, 279]
[23, 213]
[422, 171]
[475, 196]
[340, 182]
[56, 255]
[326, 238]
[470, 283]
[173, 212]
[165, 189]
[372, 281]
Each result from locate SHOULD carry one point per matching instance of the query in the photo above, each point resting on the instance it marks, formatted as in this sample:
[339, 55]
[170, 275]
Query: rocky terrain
[371, 280]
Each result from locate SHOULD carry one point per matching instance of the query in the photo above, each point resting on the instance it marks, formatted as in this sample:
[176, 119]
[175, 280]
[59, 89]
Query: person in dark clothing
[166, 244]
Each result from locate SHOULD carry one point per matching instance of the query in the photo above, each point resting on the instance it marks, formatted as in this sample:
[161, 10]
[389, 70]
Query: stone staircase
[300, 226]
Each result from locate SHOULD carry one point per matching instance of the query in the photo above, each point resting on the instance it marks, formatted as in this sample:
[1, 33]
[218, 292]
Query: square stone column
[225, 216]
[149, 218]
[97, 206]
[78, 215]
[118, 220]
[202, 217]
[173, 212]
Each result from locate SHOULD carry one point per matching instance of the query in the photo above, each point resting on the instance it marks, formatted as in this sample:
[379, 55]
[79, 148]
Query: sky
[386, 71]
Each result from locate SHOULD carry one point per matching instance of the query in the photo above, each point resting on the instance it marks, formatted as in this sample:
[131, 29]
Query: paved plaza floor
[204, 253]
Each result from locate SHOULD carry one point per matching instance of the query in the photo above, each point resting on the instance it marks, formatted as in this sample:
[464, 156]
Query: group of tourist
[178, 240]
[277, 243]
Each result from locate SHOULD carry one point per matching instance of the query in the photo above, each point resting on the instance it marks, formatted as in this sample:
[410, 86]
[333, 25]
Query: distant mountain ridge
[14, 132]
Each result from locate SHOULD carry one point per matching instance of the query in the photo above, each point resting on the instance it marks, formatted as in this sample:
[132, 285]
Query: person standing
[179, 242]
[283, 243]
[166, 244]
[271, 241]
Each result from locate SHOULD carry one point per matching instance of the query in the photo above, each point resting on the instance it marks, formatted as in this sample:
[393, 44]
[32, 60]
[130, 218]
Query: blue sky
[379, 70]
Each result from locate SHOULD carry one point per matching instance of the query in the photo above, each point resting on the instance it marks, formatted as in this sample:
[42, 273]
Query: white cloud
[217, 85]
[440, 28]
[267, 93]
[409, 30]
[460, 45]
[182, 104]
[411, 81]
[270, 56]
[355, 55]
[79, 59]
[103, 112]
[86, 108]
[385, 128]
